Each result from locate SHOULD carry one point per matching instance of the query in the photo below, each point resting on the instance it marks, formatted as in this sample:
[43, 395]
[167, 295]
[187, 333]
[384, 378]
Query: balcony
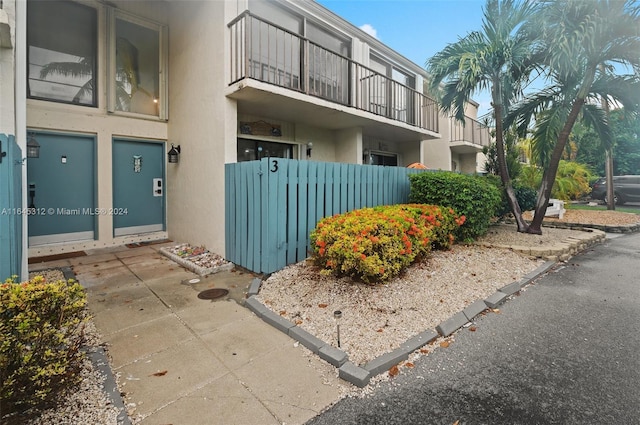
[268, 53]
[470, 137]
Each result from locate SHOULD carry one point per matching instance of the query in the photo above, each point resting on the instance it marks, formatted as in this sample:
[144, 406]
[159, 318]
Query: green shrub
[41, 332]
[572, 180]
[376, 244]
[526, 196]
[472, 196]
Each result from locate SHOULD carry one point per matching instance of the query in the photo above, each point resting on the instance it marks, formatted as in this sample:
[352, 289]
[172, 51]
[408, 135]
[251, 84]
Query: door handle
[32, 195]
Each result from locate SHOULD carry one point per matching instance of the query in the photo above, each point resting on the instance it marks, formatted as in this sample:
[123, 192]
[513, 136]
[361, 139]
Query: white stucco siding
[349, 145]
[7, 74]
[201, 120]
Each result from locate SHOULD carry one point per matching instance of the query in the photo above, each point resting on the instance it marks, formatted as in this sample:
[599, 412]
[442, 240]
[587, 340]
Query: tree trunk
[502, 160]
[549, 176]
[608, 155]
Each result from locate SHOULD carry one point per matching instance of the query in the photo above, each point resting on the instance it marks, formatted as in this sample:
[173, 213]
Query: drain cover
[212, 294]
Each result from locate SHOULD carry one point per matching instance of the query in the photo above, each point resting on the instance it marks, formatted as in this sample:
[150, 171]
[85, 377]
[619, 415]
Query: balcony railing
[266, 52]
[472, 131]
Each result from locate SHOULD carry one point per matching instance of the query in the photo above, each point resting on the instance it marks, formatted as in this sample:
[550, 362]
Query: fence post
[10, 208]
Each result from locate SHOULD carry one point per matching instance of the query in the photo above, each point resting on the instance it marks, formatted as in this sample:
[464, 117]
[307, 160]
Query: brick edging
[563, 249]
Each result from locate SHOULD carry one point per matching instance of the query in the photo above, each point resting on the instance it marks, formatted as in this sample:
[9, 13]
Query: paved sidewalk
[184, 360]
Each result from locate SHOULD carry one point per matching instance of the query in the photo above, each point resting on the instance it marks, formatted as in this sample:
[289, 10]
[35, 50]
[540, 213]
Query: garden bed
[196, 259]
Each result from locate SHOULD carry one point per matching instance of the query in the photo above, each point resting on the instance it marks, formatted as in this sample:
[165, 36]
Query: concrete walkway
[184, 360]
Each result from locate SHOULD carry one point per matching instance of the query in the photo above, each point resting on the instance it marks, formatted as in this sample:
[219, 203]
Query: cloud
[369, 29]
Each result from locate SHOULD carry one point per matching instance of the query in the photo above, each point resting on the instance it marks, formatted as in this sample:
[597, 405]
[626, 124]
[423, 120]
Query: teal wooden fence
[272, 205]
[10, 207]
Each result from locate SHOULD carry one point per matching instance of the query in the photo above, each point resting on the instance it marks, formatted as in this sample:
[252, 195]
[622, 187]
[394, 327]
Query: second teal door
[138, 187]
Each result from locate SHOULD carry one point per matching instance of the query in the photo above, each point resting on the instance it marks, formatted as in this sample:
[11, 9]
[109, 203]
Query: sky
[417, 29]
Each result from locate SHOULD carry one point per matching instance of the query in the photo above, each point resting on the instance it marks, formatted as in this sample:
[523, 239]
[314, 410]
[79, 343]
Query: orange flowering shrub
[376, 244]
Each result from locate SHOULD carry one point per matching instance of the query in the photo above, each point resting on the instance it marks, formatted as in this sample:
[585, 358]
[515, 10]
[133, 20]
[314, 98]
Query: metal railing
[266, 52]
[472, 131]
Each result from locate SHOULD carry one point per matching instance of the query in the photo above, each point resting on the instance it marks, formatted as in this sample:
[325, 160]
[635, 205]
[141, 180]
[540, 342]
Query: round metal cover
[212, 294]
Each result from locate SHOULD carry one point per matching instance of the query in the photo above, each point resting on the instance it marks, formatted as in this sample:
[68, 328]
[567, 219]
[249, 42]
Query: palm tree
[127, 82]
[497, 58]
[580, 43]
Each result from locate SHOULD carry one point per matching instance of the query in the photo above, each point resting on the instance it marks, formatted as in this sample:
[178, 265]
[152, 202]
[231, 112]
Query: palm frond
[67, 69]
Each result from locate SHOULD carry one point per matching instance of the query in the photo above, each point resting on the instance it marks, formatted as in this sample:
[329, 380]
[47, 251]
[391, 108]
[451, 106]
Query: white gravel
[379, 318]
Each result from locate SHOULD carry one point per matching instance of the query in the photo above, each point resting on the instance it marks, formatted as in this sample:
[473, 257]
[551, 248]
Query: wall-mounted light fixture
[33, 147]
[174, 154]
[309, 147]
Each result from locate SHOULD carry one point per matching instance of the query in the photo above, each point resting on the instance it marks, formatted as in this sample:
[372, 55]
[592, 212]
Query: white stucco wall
[436, 153]
[202, 121]
[349, 145]
[7, 74]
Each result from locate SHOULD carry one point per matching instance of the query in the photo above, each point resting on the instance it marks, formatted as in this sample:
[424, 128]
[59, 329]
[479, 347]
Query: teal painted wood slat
[255, 214]
[10, 208]
[229, 227]
[344, 188]
[303, 209]
[311, 194]
[242, 215]
[351, 187]
[17, 254]
[358, 187]
[237, 218]
[292, 213]
[320, 202]
[282, 176]
[330, 170]
[265, 241]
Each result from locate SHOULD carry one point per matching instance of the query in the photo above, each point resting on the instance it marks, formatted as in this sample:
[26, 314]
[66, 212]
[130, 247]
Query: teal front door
[138, 187]
[61, 186]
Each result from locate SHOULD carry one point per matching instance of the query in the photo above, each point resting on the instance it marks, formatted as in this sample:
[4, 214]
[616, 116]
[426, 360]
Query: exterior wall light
[33, 147]
[174, 154]
[309, 147]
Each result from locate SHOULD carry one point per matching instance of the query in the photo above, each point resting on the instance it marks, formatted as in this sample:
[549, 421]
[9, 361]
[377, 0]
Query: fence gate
[272, 205]
[10, 207]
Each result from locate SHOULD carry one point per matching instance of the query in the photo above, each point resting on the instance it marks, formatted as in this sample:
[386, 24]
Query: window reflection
[62, 52]
[137, 68]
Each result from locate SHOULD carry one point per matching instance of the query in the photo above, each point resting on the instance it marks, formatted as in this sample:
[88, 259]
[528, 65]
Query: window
[251, 150]
[328, 72]
[390, 93]
[380, 158]
[61, 38]
[136, 66]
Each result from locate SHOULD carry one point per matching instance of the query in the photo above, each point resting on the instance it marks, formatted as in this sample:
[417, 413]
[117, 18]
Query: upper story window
[136, 68]
[61, 38]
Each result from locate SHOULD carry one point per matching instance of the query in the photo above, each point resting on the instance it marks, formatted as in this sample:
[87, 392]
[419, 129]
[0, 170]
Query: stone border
[562, 250]
[361, 375]
[621, 228]
[200, 271]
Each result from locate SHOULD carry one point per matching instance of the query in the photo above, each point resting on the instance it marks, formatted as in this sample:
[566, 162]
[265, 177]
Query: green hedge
[526, 196]
[376, 244]
[472, 196]
[41, 333]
